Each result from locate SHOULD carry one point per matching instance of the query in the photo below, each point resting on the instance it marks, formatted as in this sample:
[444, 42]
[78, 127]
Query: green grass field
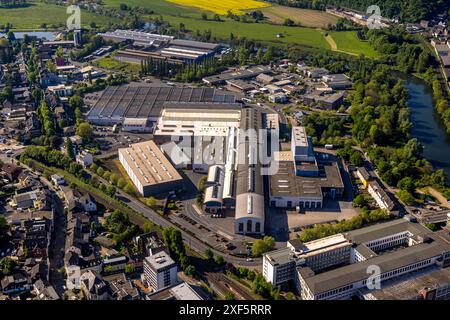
[257, 31]
[111, 64]
[158, 6]
[37, 13]
[33, 16]
[347, 41]
[305, 17]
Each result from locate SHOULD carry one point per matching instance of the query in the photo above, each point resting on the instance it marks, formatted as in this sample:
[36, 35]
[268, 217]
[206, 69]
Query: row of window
[249, 226]
[335, 291]
[398, 236]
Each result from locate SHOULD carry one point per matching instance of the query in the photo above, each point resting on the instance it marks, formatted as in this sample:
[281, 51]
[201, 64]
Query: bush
[359, 201]
[406, 197]
[263, 245]
[150, 201]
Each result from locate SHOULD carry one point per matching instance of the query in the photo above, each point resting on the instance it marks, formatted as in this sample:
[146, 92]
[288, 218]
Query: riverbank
[427, 124]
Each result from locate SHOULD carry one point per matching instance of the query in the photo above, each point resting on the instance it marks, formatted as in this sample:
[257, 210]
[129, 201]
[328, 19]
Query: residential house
[88, 203]
[85, 158]
[93, 286]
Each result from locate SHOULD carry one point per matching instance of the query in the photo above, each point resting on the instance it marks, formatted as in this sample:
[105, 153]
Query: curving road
[193, 242]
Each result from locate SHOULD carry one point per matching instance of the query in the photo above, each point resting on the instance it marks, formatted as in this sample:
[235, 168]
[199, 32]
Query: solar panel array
[145, 101]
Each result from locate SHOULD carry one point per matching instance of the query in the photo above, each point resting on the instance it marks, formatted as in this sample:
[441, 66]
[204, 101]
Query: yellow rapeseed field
[222, 6]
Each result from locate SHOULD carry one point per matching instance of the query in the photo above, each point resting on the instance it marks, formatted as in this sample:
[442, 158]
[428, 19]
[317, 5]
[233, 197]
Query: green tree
[84, 130]
[356, 159]
[129, 188]
[100, 171]
[4, 228]
[190, 270]
[129, 268]
[406, 197]
[407, 184]
[7, 266]
[229, 296]
[264, 245]
[209, 254]
[69, 149]
[150, 201]
[359, 201]
[219, 260]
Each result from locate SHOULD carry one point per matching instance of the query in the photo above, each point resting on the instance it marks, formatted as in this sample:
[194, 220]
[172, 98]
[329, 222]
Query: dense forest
[406, 11]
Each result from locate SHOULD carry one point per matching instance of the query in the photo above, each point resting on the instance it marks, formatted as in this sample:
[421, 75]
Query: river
[427, 127]
[50, 36]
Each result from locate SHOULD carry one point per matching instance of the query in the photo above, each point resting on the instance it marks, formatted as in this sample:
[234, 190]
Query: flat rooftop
[405, 289]
[280, 256]
[160, 260]
[386, 229]
[323, 243]
[299, 137]
[139, 101]
[285, 183]
[238, 74]
[149, 164]
[352, 273]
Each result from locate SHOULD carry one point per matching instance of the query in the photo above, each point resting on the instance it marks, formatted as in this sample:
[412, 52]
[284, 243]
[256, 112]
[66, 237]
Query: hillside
[406, 10]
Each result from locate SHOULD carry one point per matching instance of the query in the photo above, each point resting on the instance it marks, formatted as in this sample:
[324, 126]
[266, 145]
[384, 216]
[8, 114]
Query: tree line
[406, 11]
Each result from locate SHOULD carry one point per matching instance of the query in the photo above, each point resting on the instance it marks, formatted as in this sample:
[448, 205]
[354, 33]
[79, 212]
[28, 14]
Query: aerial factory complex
[241, 150]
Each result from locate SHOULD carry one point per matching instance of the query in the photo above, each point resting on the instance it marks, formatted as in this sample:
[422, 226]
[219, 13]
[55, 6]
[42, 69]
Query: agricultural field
[35, 14]
[307, 37]
[304, 17]
[158, 6]
[223, 6]
[348, 42]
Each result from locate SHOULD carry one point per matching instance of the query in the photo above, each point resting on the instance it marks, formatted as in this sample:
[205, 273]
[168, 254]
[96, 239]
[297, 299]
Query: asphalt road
[192, 242]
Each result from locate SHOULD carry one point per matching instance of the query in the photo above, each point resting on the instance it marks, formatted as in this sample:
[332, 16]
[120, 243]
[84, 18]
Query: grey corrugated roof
[385, 229]
[358, 271]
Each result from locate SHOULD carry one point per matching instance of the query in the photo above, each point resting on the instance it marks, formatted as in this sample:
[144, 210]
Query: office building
[279, 266]
[397, 249]
[160, 271]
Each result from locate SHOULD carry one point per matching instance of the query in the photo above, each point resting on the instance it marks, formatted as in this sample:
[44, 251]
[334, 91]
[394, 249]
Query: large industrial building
[149, 169]
[250, 208]
[303, 179]
[145, 102]
[343, 266]
[145, 45]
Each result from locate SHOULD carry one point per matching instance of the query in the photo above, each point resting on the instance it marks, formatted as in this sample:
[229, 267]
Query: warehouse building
[243, 74]
[250, 208]
[149, 169]
[118, 103]
[303, 181]
[138, 37]
[213, 200]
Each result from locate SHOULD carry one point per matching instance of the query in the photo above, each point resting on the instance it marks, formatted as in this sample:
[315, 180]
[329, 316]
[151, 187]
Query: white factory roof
[299, 136]
[149, 164]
